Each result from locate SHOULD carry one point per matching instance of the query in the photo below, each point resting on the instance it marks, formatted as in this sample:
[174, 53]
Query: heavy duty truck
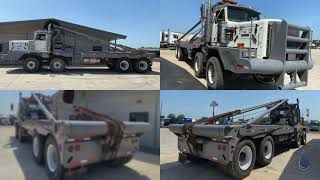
[249, 137]
[50, 47]
[168, 39]
[234, 39]
[66, 147]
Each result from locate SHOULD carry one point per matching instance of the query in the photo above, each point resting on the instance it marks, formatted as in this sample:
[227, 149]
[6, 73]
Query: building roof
[39, 24]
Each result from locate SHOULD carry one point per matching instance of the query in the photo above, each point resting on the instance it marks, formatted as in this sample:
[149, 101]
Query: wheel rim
[31, 65]
[245, 158]
[124, 65]
[143, 65]
[57, 65]
[196, 65]
[52, 158]
[35, 146]
[267, 150]
[211, 74]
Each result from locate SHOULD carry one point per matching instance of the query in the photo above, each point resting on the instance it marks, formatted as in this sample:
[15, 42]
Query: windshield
[240, 14]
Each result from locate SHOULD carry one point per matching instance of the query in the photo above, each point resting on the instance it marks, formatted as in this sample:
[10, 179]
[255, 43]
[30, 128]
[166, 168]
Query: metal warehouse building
[134, 106]
[24, 30]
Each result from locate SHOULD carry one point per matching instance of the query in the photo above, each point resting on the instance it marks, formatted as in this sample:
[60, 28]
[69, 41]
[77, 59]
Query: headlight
[246, 54]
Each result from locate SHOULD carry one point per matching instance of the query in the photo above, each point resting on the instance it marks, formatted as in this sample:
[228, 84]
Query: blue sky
[9, 97]
[196, 104]
[138, 19]
[180, 15]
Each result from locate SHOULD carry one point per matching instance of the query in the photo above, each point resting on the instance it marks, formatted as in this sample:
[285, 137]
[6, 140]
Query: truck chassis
[238, 146]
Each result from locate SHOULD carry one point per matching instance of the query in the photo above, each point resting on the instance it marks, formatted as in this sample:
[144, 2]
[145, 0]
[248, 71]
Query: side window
[220, 16]
[175, 36]
[139, 117]
[97, 48]
[41, 37]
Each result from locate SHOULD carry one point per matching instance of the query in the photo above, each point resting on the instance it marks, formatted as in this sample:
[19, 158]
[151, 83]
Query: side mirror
[203, 11]
[68, 96]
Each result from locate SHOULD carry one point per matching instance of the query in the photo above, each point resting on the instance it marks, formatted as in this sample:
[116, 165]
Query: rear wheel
[180, 54]
[142, 65]
[244, 158]
[214, 74]
[21, 136]
[31, 65]
[266, 151]
[38, 148]
[304, 138]
[57, 65]
[52, 160]
[297, 141]
[123, 65]
[199, 70]
[119, 161]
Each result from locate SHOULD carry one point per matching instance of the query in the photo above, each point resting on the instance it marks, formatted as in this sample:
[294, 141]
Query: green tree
[180, 117]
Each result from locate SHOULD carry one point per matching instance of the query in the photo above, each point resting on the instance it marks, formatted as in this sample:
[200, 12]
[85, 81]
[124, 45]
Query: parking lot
[79, 79]
[284, 165]
[178, 75]
[16, 163]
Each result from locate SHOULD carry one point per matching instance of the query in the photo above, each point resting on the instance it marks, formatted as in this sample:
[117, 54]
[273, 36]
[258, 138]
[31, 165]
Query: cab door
[41, 43]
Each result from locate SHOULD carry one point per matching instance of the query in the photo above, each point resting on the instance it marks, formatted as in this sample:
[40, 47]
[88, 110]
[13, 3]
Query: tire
[118, 162]
[265, 151]
[304, 138]
[180, 55]
[123, 65]
[55, 170]
[297, 142]
[31, 65]
[57, 65]
[38, 148]
[237, 171]
[214, 74]
[21, 138]
[198, 68]
[142, 65]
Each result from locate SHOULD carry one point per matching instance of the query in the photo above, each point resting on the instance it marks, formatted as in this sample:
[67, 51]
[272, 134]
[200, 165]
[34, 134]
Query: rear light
[77, 147]
[240, 45]
[219, 147]
[70, 149]
[224, 148]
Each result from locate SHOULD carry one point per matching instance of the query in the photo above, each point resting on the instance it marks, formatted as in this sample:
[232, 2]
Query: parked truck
[68, 146]
[51, 47]
[249, 138]
[314, 125]
[234, 39]
[168, 39]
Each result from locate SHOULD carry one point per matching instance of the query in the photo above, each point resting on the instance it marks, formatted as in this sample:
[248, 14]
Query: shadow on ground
[174, 77]
[32, 171]
[208, 170]
[77, 72]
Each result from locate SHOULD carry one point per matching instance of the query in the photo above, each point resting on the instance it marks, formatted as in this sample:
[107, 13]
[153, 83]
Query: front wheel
[266, 151]
[304, 138]
[244, 158]
[31, 65]
[297, 141]
[214, 74]
[52, 160]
